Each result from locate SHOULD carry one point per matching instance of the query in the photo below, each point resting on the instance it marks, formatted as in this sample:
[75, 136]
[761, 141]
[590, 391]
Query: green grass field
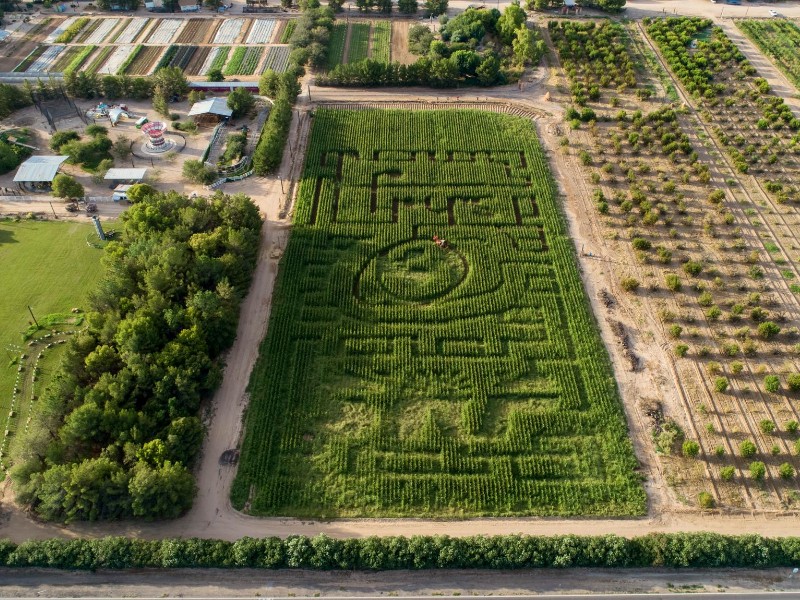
[402, 379]
[50, 267]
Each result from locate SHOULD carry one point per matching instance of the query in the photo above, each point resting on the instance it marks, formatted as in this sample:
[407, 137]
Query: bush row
[418, 552]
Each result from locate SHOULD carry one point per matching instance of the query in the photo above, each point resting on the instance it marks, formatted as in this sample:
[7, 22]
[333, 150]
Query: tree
[766, 426]
[65, 186]
[60, 138]
[80, 84]
[786, 471]
[212, 4]
[407, 7]
[241, 102]
[526, 48]
[160, 492]
[510, 21]
[727, 473]
[171, 82]
[197, 172]
[436, 7]
[160, 102]
[489, 72]
[122, 147]
[215, 75]
[793, 382]
[140, 191]
[8, 158]
[757, 470]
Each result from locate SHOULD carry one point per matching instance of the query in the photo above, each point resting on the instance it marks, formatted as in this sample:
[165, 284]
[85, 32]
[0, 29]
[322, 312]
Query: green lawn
[50, 267]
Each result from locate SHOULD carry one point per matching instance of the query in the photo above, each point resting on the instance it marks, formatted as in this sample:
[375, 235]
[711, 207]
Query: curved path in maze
[212, 515]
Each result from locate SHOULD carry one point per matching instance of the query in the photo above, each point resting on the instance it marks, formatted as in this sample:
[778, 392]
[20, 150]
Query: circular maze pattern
[416, 271]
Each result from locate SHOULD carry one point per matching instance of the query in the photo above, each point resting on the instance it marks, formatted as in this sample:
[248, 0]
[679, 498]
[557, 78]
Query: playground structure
[156, 142]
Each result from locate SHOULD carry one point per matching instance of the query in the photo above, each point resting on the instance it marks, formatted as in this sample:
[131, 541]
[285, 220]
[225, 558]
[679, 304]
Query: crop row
[381, 41]
[182, 57]
[99, 59]
[359, 42]
[277, 59]
[99, 35]
[79, 59]
[166, 58]
[64, 59]
[129, 60]
[165, 32]
[235, 63]
[215, 60]
[117, 59]
[30, 59]
[67, 30]
[287, 32]
[418, 380]
[779, 39]
[130, 31]
[143, 62]
[336, 45]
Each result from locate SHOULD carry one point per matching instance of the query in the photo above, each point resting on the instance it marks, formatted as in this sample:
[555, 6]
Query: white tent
[39, 169]
[212, 106]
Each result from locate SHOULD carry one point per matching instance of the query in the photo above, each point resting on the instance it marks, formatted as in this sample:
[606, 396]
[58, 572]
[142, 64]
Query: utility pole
[55, 216]
[30, 310]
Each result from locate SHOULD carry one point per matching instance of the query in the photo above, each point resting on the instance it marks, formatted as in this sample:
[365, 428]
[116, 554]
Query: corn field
[400, 378]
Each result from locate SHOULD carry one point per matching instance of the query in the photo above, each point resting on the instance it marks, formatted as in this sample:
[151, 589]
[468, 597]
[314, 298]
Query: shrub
[791, 426]
[786, 471]
[672, 281]
[675, 331]
[766, 426]
[705, 299]
[62, 137]
[721, 384]
[690, 449]
[692, 268]
[747, 449]
[768, 330]
[681, 350]
[65, 186]
[629, 284]
[641, 244]
[757, 470]
[197, 172]
[772, 384]
[706, 500]
[727, 473]
[737, 367]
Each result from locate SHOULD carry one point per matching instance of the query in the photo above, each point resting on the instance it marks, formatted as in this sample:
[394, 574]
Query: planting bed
[398, 378]
[183, 57]
[261, 31]
[197, 31]
[117, 59]
[99, 59]
[145, 60]
[229, 31]
[130, 32]
[216, 59]
[165, 31]
[61, 28]
[779, 39]
[30, 59]
[64, 59]
[198, 60]
[286, 30]
[103, 31]
[45, 60]
[277, 59]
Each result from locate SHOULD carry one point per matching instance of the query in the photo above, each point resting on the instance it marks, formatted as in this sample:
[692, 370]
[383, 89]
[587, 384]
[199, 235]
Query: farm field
[145, 60]
[129, 33]
[50, 267]
[421, 381]
[198, 31]
[366, 40]
[277, 59]
[359, 42]
[702, 221]
[777, 39]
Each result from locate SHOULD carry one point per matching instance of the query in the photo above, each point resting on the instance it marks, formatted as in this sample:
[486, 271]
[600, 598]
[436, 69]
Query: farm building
[38, 172]
[212, 110]
[188, 5]
[125, 175]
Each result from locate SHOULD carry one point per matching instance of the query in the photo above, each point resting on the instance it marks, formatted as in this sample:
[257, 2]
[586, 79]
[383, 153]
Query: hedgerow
[673, 550]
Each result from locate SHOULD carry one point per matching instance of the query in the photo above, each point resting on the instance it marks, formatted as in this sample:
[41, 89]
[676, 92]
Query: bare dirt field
[25, 41]
[400, 51]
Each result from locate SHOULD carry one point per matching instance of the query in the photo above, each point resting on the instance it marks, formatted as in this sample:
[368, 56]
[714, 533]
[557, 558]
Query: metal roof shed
[39, 169]
[125, 174]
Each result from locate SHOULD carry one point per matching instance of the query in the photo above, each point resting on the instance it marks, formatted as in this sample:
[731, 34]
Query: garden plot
[144, 61]
[132, 30]
[30, 59]
[244, 61]
[182, 57]
[62, 27]
[64, 59]
[116, 60]
[164, 33]
[277, 59]
[261, 31]
[99, 35]
[43, 62]
[400, 378]
[197, 61]
[196, 31]
[229, 31]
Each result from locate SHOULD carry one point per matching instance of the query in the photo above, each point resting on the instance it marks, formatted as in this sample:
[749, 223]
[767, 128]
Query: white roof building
[38, 169]
[125, 174]
[212, 106]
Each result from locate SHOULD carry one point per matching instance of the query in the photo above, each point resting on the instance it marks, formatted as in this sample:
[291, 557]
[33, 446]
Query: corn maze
[401, 378]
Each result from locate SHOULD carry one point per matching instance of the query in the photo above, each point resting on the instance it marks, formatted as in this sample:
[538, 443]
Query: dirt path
[346, 49]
